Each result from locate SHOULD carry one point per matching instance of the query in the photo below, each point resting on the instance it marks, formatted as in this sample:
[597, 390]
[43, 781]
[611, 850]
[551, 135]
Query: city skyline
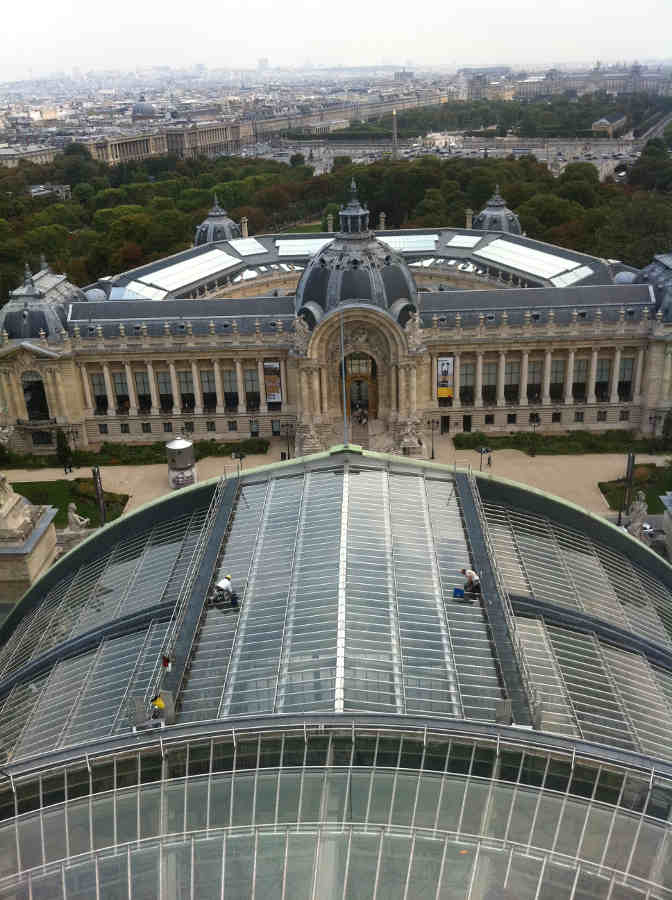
[289, 36]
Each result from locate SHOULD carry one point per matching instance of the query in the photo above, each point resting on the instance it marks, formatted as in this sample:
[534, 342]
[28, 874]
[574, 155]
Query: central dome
[356, 267]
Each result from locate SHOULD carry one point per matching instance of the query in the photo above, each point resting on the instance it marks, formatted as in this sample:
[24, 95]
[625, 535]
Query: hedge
[573, 442]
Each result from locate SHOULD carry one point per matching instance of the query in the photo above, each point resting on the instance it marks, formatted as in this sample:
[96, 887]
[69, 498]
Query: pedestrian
[472, 587]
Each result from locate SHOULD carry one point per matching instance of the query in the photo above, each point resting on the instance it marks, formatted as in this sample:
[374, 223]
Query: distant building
[62, 191]
[609, 125]
[10, 157]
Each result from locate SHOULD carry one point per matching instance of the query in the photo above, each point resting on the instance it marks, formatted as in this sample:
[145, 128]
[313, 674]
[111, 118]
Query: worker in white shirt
[472, 587]
[224, 588]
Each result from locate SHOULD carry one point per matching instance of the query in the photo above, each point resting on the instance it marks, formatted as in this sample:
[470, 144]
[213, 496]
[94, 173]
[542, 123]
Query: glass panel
[404, 799]
[176, 871]
[523, 816]
[173, 807]
[150, 807]
[646, 850]
[393, 867]
[381, 797]
[208, 857]
[238, 866]
[78, 827]
[523, 877]
[113, 878]
[30, 842]
[300, 860]
[621, 840]
[360, 783]
[270, 866]
[548, 814]
[145, 874]
[557, 883]
[54, 834]
[243, 798]
[80, 881]
[197, 803]
[425, 869]
[288, 797]
[490, 874]
[311, 797]
[264, 812]
[102, 814]
[596, 833]
[220, 801]
[333, 849]
[47, 887]
[8, 858]
[452, 795]
[362, 866]
[457, 868]
[335, 793]
[127, 815]
[474, 807]
[571, 825]
[498, 811]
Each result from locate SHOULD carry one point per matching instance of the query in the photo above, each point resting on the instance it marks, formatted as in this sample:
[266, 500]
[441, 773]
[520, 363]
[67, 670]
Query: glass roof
[525, 259]
[346, 579]
[464, 240]
[410, 242]
[247, 246]
[146, 291]
[572, 277]
[301, 246]
[195, 268]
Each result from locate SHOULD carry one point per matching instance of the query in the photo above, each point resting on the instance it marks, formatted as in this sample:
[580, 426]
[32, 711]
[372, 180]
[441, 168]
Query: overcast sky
[43, 35]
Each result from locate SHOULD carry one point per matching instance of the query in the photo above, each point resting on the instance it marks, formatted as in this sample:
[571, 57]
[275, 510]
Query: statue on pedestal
[76, 522]
[413, 331]
[301, 336]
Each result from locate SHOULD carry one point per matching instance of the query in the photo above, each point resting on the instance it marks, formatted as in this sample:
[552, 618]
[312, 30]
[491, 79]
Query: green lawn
[653, 480]
[80, 491]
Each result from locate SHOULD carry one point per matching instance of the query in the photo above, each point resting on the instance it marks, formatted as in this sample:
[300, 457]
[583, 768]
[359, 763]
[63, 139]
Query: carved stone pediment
[360, 339]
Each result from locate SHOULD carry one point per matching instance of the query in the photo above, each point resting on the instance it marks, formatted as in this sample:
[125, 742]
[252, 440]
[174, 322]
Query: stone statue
[301, 336]
[409, 436]
[637, 512]
[75, 522]
[7, 492]
[413, 330]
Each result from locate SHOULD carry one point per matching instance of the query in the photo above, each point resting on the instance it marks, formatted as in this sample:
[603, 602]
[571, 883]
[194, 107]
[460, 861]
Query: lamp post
[534, 421]
[433, 424]
[288, 430]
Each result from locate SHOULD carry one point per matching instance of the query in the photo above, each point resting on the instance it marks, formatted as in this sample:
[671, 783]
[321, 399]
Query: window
[209, 426]
[580, 380]
[102, 428]
[556, 417]
[489, 382]
[558, 367]
[511, 419]
[511, 380]
[624, 415]
[252, 396]
[275, 427]
[602, 374]
[188, 426]
[146, 427]
[578, 416]
[165, 391]
[534, 418]
[42, 439]
[625, 378]
[601, 415]
[120, 391]
[209, 389]
[232, 425]
[125, 428]
[143, 392]
[230, 389]
[167, 427]
[254, 427]
[489, 419]
[185, 383]
[535, 370]
[467, 377]
[99, 393]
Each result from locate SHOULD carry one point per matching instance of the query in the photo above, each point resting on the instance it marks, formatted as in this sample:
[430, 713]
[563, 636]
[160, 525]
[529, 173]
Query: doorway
[466, 423]
[361, 385]
[445, 424]
[35, 397]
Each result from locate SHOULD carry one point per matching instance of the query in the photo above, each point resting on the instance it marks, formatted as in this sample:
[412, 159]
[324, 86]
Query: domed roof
[31, 311]
[217, 227]
[355, 267]
[496, 216]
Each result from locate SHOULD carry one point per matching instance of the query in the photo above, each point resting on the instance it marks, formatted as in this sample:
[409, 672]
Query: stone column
[152, 388]
[546, 390]
[198, 392]
[49, 382]
[478, 389]
[132, 393]
[19, 397]
[304, 381]
[263, 405]
[591, 377]
[283, 382]
[615, 374]
[569, 377]
[403, 392]
[433, 399]
[175, 389]
[60, 394]
[639, 368]
[394, 397]
[6, 399]
[501, 375]
[240, 381]
[86, 390]
[109, 391]
[219, 387]
[524, 365]
[457, 403]
[412, 391]
[324, 388]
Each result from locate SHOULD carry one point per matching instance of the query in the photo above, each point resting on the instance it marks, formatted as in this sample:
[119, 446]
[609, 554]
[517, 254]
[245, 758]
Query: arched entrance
[34, 395]
[361, 385]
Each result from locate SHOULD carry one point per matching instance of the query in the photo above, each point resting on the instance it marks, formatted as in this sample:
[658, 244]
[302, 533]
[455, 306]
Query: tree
[297, 159]
[341, 162]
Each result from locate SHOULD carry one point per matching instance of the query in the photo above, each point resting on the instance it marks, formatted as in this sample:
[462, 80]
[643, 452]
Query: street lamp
[484, 451]
[534, 421]
[288, 430]
[433, 424]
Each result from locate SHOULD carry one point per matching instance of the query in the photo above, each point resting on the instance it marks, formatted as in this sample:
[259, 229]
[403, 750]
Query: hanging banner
[444, 376]
[272, 381]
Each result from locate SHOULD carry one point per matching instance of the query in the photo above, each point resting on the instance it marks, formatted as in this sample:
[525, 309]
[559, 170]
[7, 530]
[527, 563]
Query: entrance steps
[359, 434]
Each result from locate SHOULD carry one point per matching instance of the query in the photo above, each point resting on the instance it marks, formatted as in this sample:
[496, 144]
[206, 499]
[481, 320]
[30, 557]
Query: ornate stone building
[474, 329]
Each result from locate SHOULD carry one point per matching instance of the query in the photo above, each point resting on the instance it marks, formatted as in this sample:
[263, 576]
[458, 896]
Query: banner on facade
[444, 376]
[272, 382]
